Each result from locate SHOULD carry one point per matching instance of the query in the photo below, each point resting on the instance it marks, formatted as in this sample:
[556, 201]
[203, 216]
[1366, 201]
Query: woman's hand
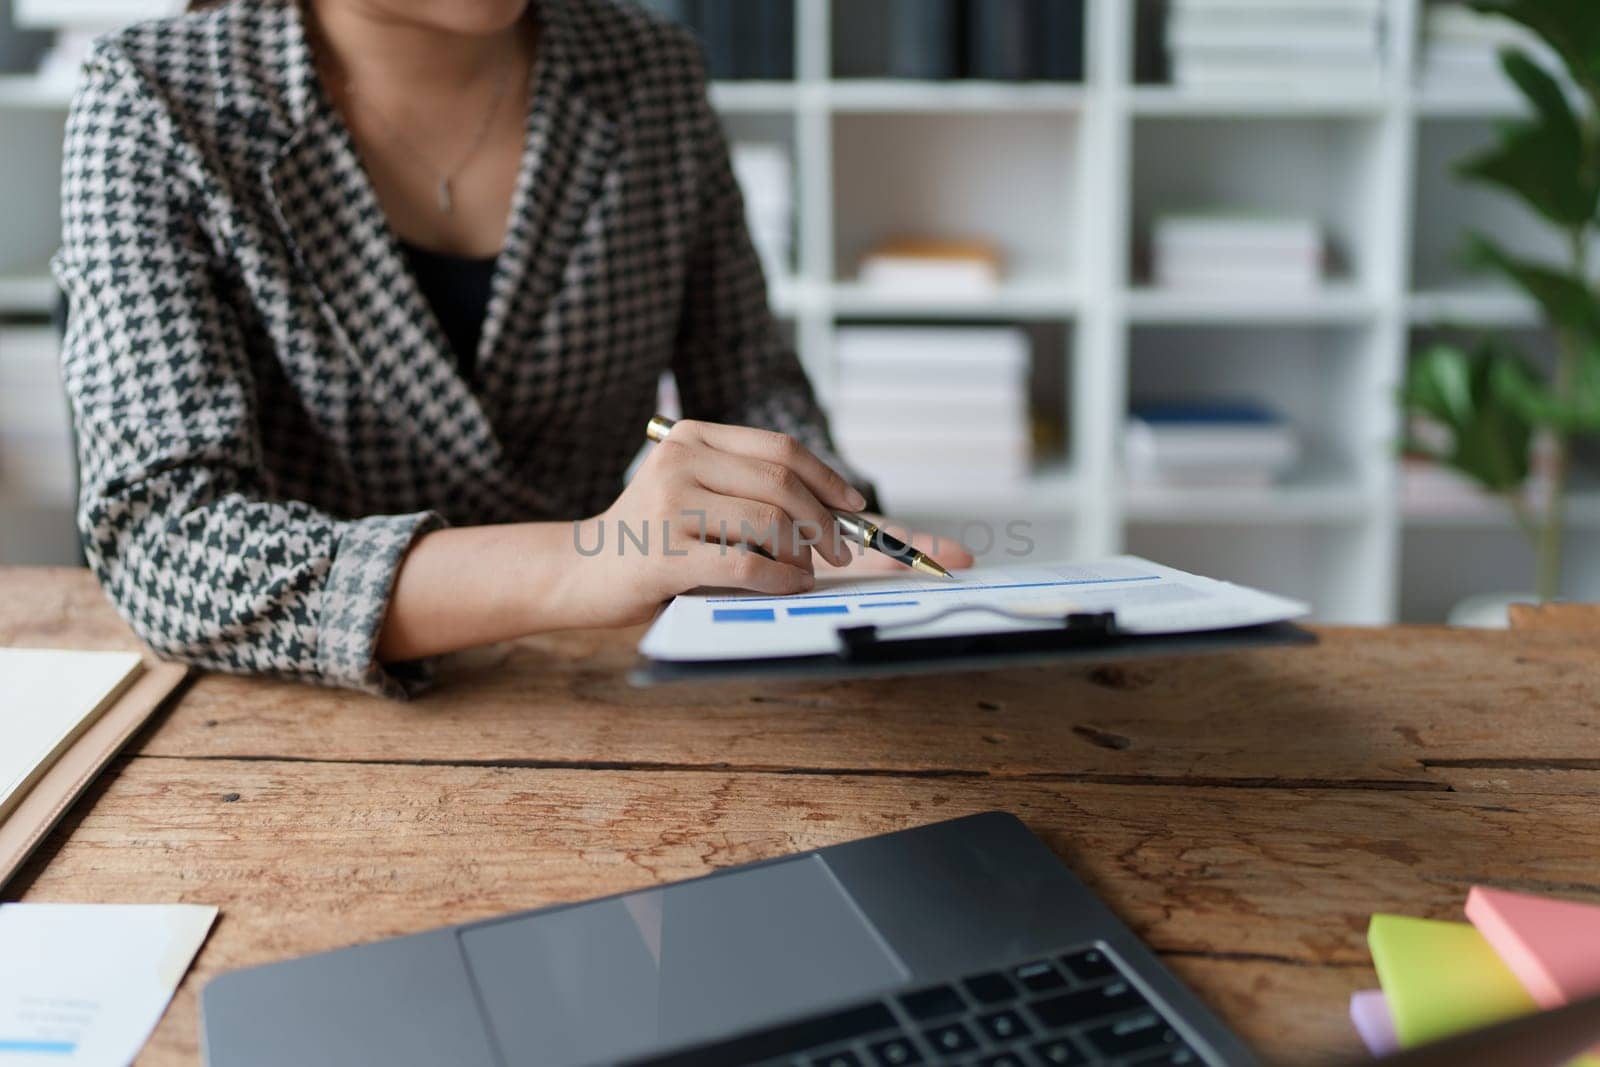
[949, 554]
[700, 503]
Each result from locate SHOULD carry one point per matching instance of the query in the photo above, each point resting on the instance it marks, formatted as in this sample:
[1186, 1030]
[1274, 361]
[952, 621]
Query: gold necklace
[443, 178]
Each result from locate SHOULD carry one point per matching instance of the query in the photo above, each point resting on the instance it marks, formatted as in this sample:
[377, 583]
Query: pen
[862, 531]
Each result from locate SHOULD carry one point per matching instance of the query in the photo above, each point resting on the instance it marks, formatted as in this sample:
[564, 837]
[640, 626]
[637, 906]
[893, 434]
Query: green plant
[1491, 398]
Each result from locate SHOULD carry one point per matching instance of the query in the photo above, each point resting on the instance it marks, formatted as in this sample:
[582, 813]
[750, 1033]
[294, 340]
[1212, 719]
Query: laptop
[962, 942]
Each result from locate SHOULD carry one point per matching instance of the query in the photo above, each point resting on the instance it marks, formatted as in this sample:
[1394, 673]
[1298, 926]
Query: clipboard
[874, 651]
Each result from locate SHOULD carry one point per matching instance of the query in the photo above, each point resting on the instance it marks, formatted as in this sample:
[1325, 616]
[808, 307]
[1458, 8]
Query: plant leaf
[1478, 397]
[1543, 159]
[1571, 27]
[1567, 300]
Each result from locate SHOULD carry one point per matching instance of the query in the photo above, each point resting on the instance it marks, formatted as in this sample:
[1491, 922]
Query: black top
[457, 288]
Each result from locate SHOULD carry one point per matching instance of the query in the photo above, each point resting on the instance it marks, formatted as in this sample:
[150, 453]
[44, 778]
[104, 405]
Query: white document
[1146, 597]
[83, 985]
[48, 698]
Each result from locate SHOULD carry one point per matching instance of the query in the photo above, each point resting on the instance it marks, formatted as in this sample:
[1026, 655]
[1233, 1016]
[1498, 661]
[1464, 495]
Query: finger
[717, 565]
[826, 484]
[733, 520]
[778, 486]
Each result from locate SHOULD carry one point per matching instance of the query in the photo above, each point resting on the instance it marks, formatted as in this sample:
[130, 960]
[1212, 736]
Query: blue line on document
[821, 609]
[925, 590]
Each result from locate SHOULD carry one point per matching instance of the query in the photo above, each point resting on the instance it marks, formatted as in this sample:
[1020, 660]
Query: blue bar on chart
[890, 603]
[744, 615]
[821, 609]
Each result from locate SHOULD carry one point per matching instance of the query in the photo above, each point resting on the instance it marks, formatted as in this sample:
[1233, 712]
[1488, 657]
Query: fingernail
[855, 499]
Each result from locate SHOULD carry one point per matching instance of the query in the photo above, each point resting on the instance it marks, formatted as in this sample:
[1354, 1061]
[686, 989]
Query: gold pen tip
[927, 565]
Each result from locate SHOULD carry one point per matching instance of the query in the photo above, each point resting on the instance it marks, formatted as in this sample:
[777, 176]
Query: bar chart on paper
[1146, 597]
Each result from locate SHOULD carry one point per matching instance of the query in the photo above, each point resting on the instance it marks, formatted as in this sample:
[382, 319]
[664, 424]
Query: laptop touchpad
[670, 966]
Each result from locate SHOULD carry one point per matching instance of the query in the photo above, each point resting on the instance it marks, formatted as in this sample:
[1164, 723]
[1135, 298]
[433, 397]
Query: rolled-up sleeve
[175, 509]
[732, 362]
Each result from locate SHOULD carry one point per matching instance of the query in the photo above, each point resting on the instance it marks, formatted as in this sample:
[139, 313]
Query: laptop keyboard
[1061, 1011]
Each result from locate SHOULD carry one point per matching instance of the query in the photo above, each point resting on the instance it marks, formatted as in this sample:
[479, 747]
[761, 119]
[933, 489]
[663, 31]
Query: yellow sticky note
[1441, 978]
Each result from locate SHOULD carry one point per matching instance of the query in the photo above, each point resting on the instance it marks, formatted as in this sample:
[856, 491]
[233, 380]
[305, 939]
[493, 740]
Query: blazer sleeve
[175, 510]
[732, 362]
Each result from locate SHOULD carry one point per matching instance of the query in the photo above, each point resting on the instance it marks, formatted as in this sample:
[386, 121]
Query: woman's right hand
[701, 502]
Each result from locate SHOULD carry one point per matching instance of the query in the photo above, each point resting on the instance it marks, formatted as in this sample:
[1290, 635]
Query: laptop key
[1178, 1057]
[817, 1031]
[1084, 1005]
[896, 1052]
[950, 1038]
[991, 988]
[1004, 1026]
[1059, 1053]
[933, 1003]
[1004, 1059]
[836, 1059]
[1089, 966]
[1039, 977]
[1147, 1030]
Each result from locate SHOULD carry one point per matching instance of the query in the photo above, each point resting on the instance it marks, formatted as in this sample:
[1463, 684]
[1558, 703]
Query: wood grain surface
[1244, 812]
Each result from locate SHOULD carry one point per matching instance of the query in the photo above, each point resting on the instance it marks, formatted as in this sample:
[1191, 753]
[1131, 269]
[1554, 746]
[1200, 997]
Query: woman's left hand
[950, 554]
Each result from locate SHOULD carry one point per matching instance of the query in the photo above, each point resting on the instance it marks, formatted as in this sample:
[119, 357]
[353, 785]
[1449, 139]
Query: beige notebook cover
[37, 808]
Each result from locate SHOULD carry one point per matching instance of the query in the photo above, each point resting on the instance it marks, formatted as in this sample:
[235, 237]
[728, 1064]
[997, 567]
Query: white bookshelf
[1067, 178]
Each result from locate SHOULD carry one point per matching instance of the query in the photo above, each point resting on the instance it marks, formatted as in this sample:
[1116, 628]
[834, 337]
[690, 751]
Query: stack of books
[766, 178]
[932, 268]
[1461, 50]
[1316, 46]
[1238, 252]
[934, 410]
[35, 432]
[1208, 444]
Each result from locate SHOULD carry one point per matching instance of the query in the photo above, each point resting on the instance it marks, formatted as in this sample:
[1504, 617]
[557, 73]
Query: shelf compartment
[1446, 208]
[1316, 497]
[923, 175]
[28, 292]
[1329, 169]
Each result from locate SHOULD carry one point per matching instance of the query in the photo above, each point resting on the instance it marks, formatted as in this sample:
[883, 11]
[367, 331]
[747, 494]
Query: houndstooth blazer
[267, 411]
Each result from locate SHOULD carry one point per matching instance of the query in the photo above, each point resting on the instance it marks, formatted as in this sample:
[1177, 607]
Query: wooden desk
[1245, 812]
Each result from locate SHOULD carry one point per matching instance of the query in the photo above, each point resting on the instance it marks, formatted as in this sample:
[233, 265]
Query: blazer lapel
[568, 153]
[327, 209]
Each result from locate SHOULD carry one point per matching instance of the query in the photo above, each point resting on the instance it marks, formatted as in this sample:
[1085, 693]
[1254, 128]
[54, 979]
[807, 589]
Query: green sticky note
[1441, 978]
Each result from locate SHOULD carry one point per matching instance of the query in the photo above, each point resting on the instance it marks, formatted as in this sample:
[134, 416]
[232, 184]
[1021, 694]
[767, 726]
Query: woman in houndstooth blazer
[285, 467]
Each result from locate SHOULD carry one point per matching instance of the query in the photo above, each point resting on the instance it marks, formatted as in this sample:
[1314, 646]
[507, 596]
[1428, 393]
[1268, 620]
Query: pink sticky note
[1552, 946]
[1369, 1011]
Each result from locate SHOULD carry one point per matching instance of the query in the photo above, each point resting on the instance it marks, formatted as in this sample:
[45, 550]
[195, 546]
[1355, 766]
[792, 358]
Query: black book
[998, 44]
[717, 22]
[765, 39]
[1060, 37]
[924, 38]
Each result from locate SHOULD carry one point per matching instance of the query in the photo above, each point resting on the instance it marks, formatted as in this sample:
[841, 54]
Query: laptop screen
[664, 967]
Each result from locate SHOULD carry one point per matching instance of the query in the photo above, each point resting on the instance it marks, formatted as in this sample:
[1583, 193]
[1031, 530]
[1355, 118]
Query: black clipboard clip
[1079, 629]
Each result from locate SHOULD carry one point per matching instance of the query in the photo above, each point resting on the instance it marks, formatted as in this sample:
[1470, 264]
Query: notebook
[63, 715]
[48, 698]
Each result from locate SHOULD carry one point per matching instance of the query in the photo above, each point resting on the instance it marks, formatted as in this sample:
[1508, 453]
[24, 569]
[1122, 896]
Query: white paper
[47, 698]
[83, 985]
[1146, 597]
